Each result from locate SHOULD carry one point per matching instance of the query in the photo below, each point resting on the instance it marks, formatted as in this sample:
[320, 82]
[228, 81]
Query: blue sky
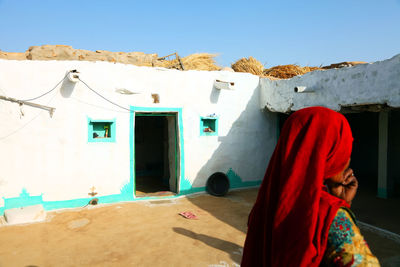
[276, 32]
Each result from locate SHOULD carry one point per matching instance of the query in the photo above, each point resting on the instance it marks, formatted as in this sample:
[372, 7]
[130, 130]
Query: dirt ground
[145, 233]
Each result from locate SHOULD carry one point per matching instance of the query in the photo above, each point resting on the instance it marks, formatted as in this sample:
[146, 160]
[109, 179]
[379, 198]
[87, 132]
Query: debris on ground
[188, 215]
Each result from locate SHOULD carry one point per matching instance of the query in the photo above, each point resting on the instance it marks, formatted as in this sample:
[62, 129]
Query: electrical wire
[99, 107]
[49, 90]
[26, 124]
[94, 91]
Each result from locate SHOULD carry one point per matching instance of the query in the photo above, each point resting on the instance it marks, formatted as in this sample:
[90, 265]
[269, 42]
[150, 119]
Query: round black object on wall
[218, 184]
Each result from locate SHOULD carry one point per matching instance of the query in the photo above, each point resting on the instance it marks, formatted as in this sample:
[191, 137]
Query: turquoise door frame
[181, 182]
[159, 114]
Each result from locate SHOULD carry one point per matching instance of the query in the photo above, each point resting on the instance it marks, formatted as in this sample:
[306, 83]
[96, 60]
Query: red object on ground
[188, 215]
[289, 223]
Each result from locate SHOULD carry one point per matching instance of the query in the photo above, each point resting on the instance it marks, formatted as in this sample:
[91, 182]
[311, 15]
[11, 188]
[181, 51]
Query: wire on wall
[94, 91]
[49, 90]
[99, 107]
[30, 121]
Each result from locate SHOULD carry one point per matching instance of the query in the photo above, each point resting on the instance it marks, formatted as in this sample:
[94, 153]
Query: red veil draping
[289, 223]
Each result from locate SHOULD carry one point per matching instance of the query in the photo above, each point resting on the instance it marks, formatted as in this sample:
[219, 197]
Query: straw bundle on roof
[250, 65]
[202, 61]
[199, 61]
[288, 71]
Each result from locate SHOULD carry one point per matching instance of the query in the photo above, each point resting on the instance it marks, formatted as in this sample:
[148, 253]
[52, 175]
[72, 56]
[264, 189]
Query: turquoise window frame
[203, 126]
[110, 139]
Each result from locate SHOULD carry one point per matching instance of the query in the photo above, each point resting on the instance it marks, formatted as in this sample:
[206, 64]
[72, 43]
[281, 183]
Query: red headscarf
[289, 223]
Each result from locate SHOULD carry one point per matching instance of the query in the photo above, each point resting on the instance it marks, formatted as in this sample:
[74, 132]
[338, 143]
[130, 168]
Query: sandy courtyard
[146, 233]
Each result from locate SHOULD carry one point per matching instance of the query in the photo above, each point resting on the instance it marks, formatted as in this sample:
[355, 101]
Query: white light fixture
[73, 76]
[218, 84]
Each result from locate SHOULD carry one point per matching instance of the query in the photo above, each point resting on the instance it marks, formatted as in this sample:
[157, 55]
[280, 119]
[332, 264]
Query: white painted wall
[51, 156]
[375, 83]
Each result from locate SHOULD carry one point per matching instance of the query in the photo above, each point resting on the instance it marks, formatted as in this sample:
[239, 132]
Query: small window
[101, 130]
[208, 126]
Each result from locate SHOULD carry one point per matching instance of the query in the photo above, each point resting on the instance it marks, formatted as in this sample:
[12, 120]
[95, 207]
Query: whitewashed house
[119, 132]
[122, 131]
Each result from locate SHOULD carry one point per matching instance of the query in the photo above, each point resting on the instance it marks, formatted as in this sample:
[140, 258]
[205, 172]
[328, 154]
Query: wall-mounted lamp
[73, 76]
[303, 89]
[218, 84]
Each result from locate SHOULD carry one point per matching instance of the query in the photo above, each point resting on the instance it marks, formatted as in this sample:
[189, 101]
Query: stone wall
[66, 52]
[365, 84]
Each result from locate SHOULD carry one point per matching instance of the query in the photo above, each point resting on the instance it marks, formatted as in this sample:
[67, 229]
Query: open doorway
[366, 127]
[364, 157]
[155, 154]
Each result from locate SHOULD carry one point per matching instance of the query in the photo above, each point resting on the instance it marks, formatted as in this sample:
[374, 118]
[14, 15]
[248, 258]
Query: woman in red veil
[301, 216]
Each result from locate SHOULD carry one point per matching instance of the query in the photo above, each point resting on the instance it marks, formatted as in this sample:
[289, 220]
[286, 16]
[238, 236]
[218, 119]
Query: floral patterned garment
[346, 246]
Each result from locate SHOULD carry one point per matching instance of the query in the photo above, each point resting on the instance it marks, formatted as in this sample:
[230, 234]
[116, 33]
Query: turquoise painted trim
[81, 202]
[127, 190]
[382, 193]
[202, 126]
[181, 184]
[126, 195]
[237, 182]
[155, 115]
[192, 190]
[23, 200]
[95, 120]
[131, 184]
[101, 140]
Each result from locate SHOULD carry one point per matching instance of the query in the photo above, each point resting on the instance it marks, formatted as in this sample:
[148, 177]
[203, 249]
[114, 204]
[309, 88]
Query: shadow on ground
[234, 250]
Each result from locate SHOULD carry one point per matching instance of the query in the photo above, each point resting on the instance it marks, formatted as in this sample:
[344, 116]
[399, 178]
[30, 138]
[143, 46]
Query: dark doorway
[155, 154]
[364, 157]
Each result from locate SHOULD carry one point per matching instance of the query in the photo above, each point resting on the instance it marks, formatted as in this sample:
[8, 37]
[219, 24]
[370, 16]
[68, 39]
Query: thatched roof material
[288, 71]
[200, 61]
[250, 65]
